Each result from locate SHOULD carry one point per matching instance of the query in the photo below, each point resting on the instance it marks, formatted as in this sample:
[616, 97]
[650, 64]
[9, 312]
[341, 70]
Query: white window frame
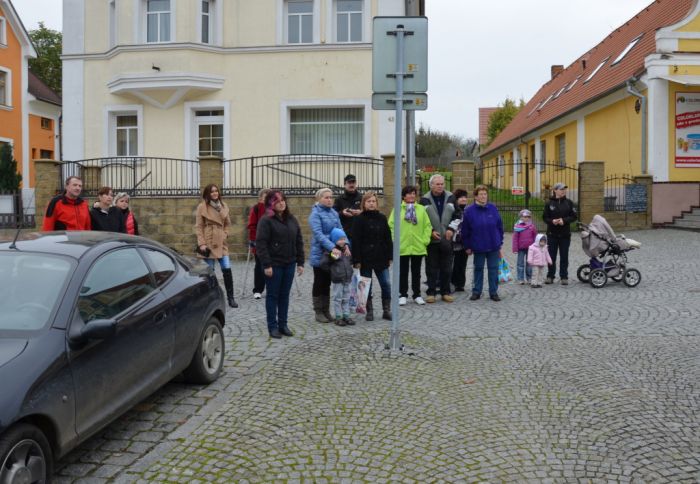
[142, 23]
[112, 14]
[286, 108]
[215, 22]
[595, 71]
[209, 13]
[282, 34]
[560, 142]
[3, 31]
[627, 49]
[191, 126]
[8, 88]
[333, 22]
[110, 132]
[209, 121]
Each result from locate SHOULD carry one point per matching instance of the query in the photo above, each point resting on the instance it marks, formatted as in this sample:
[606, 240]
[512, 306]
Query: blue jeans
[524, 268]
[560, 244]
[492, 259]
[382, 277]
[340, 293]
[224, 262]
[277, 299]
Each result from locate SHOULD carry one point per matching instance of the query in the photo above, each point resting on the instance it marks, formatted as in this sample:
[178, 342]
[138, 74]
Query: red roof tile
[658, 14]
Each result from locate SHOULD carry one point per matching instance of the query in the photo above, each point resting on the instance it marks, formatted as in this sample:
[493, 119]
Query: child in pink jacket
[524, 232]
[538, 258]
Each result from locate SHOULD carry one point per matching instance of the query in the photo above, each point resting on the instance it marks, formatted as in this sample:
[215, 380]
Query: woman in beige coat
[212, 225]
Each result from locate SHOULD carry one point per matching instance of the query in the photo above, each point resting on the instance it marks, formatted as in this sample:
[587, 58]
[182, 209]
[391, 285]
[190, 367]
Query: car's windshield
[31, 286]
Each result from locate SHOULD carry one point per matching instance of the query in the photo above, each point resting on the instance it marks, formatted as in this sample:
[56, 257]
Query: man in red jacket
[257, 213]
[68, 211]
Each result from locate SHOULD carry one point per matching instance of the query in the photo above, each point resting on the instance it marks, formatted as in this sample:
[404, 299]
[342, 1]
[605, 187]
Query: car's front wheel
[208, 359]
[25, 455]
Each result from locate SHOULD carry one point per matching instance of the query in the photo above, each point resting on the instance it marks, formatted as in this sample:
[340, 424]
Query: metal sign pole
[394, 335]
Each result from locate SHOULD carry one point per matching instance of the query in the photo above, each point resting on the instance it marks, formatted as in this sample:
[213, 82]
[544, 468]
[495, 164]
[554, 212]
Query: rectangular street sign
[411, 101]
[415, 56]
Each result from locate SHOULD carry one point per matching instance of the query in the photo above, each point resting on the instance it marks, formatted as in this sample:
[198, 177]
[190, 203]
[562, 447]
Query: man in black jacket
[348, 204]
[559, 212]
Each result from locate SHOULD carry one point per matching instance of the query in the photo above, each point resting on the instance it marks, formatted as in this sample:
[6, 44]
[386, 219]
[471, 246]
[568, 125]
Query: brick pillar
[591, 189]
[92, 178]
[389, 170]
[648, 181]
[463, 172]
[211, 170]
[47, 176]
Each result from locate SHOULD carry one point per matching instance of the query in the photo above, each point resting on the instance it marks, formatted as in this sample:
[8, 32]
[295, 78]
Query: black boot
[318, 309]
[228, 284]
[386, 307]
[370, 310]
[326, 305]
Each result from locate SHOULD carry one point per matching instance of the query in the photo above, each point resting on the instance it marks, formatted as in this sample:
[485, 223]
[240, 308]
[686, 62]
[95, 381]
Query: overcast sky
[480, 52]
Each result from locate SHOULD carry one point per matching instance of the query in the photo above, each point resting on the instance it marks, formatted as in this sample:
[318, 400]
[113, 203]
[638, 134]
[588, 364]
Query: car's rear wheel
[25, 456]
[208, 359]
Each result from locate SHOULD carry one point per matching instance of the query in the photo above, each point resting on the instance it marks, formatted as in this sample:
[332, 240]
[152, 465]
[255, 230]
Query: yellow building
[230, 78]
[632, 101]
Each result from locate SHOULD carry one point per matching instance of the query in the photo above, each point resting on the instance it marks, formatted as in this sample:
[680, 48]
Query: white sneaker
[402, 301]
[257, 295]
[419, 300]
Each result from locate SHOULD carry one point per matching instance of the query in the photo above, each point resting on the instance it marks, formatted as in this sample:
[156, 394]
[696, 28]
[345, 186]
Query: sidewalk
[552, 385]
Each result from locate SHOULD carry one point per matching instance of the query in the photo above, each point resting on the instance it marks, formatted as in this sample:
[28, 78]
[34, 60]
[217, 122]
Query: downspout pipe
[633, 91]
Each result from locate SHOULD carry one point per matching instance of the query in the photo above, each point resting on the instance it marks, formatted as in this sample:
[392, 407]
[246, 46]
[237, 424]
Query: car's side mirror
[99, 329]
[81, 333]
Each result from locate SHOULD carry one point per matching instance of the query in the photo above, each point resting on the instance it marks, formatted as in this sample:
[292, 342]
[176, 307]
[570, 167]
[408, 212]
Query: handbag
[504, 274]
[204, 253]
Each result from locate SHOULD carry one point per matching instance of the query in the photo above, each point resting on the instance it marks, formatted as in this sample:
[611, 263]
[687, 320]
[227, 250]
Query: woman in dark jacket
[104, 216]
[559, 212]
[280, 246]
[373, 250]
[121, 201]
[459, 264]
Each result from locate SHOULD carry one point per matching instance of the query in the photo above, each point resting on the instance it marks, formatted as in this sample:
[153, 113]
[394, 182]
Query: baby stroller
[608, 253]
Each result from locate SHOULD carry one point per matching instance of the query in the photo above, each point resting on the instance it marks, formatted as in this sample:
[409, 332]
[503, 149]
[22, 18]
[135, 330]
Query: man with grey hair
[440, 206]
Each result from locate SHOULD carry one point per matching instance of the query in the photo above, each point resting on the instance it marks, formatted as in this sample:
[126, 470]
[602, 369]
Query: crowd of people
[350, 234]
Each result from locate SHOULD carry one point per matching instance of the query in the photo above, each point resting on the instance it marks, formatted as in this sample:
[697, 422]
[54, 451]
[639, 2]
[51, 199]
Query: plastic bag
[359, 291]
[504, 274]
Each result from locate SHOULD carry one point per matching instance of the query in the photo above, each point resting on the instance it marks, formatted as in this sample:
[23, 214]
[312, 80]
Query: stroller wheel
[632, 277]
[584, 273]
[598, 278]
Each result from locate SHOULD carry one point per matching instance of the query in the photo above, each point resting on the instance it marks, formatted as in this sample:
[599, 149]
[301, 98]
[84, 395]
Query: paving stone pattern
[560, 384]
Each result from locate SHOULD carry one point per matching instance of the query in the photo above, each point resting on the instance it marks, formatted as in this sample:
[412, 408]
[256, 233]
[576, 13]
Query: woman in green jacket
[416, 230]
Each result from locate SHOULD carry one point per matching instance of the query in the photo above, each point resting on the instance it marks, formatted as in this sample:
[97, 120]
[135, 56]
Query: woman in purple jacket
[482, 235]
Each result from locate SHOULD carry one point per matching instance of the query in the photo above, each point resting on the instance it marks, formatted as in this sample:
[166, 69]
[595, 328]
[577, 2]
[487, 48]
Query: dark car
[90, 324]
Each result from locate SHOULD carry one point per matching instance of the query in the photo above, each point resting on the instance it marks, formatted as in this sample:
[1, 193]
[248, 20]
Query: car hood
[11, 348]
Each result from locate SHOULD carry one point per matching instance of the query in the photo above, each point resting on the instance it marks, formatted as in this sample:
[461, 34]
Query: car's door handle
[160, 317]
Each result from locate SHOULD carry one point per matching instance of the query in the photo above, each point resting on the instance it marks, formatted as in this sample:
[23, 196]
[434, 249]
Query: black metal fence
[137, 176]
[623, 194]
[514, 186]
[300, 174]
[12, 211]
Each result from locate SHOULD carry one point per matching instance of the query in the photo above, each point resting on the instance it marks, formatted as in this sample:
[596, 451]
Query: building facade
[192, 78]
[633, 101]
[29, 111]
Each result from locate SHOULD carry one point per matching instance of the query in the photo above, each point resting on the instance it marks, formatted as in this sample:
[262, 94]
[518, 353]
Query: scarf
[480, 204]
[521, 226]
[216, 204]
[411, 213]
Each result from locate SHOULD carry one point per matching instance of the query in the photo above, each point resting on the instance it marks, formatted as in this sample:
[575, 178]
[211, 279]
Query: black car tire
[25, 455]
[208, 358]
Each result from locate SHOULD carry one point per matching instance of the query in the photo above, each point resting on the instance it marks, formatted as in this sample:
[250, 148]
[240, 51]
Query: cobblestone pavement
[558, 384]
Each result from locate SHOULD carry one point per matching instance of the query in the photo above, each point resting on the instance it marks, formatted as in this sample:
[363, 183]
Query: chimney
[556, 69]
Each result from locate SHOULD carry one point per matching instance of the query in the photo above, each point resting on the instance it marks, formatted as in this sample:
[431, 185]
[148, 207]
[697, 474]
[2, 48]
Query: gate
[514, 186]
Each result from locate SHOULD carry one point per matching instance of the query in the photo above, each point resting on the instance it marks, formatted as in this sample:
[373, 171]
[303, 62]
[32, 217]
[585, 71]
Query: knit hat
[337, 234]
[524, 213]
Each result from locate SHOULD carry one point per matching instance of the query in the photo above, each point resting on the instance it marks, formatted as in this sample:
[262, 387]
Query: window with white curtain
[300, 21]
[158, 21]
[206, 21]
[327, 131]
[561, 149]
[348, 20]
[5, 95]
[127, 135]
